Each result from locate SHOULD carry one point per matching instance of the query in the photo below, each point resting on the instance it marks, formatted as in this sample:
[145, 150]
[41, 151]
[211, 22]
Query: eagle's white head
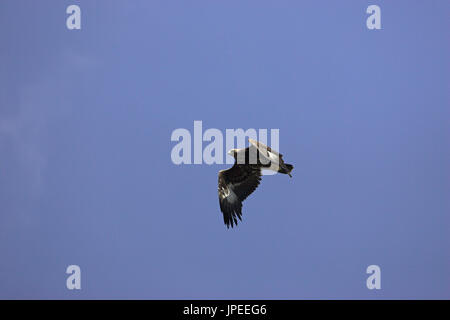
[232, 152]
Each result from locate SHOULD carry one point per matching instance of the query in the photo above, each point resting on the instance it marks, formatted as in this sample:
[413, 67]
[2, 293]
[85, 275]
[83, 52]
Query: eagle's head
[233, 152]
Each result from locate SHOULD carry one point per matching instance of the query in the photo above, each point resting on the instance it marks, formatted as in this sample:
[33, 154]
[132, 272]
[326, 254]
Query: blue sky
[86, 176]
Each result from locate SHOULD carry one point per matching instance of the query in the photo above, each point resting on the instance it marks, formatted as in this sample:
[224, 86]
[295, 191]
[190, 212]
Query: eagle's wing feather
[263, 148]
[235, 185]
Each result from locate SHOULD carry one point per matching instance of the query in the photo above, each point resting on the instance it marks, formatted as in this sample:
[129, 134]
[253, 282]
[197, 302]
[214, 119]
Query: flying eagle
[238, 182]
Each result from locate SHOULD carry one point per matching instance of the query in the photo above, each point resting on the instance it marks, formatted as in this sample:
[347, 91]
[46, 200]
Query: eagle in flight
[238, 182]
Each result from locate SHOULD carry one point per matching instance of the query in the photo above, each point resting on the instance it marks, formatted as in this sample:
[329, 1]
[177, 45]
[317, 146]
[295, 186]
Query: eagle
[239, 181]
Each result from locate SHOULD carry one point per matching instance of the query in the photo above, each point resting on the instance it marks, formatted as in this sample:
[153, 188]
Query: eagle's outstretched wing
[235, 185]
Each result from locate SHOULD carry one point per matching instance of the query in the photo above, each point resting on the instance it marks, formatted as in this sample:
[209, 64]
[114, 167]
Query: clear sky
[86, 176]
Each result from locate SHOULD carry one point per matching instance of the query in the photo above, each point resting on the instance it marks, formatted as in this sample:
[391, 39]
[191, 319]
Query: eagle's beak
[230, 152]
